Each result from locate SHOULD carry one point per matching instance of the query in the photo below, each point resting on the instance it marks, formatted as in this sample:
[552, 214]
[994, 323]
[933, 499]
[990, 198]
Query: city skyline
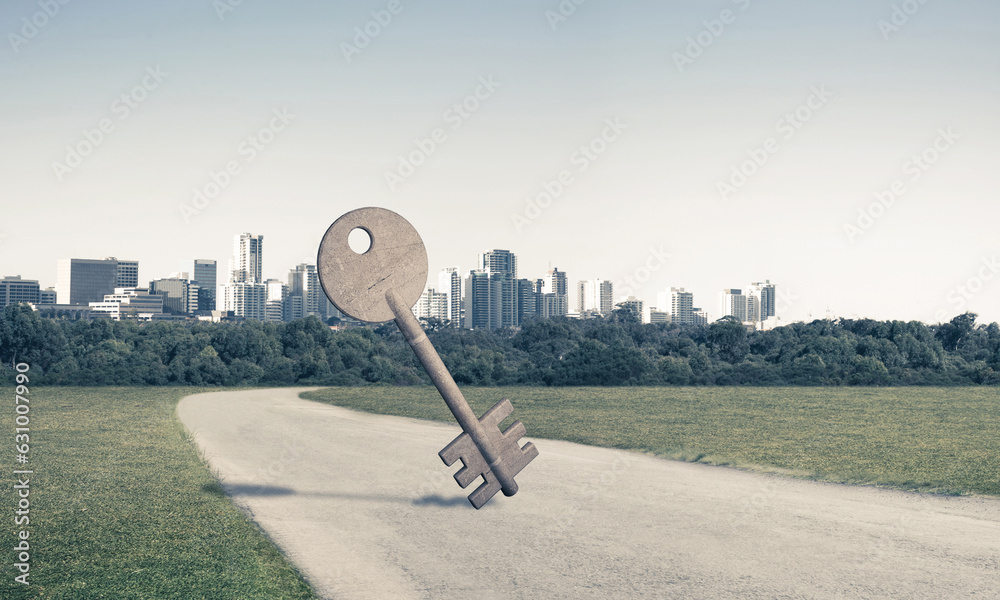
[843, 149]
[127, 274]
[247, 293]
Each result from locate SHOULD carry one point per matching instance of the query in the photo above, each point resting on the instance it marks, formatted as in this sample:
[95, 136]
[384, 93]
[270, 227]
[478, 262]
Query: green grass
[940, 440]
[123, 507]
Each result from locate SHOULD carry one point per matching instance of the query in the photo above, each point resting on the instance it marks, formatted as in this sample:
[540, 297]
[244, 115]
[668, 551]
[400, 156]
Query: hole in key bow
[360, 240]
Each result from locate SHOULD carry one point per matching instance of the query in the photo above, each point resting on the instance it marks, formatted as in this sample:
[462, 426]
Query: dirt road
[365, 508]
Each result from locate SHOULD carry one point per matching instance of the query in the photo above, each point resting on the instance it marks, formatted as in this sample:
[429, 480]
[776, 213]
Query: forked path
[365, 508]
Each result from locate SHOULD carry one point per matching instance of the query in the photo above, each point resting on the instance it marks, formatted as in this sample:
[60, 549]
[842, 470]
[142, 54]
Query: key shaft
[443, 381]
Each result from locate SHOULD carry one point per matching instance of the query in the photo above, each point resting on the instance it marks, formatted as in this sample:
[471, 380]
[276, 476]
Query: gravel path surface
[364, 507]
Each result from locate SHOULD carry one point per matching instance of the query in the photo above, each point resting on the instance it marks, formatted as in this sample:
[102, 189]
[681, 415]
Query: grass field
[941, 440]
[122, 507]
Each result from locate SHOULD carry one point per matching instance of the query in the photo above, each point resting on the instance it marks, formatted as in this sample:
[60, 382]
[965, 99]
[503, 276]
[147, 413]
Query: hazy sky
[835, 99]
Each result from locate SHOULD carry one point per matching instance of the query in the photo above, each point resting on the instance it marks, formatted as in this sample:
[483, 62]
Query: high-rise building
[128, 273]
[760, 301]
[431, 305]
[450, 284]
[498, 261]
[595, 296]
[248, 256]
[700, 316]
[293, 307]
[501, 267]
[277, 293]
[246, 294]
[555, 283]
[204, 272]
[552, 305]
[527, 300]
[180, 295]
[303, 281]
[247, 300]
[679, 303]
[733, 303]
[82, 280]
[14, 290]
[483, 300]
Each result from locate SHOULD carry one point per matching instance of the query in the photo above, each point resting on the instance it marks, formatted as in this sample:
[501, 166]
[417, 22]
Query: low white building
[129, 303]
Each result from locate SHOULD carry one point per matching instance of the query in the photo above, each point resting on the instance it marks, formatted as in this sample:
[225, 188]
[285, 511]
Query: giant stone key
[382, 284]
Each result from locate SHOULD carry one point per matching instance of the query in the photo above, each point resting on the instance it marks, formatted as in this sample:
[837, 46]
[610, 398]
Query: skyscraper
[277, 293]
[248, 255]
[733, 303]
[246, 294]
[303, 281]
[679, 303]
[499, 261]
[760, 301]
[527, 300]
[204, 273]
[501, 267]
[595, 296]
[681, 306]
[555, 284]
[82, 280]
[483, 299]
[450, 284]
[247, 300]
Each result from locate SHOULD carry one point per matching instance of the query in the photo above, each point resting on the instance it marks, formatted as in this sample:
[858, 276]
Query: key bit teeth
[515, 432]
[464, 449]
[494, 416]
[485, 491]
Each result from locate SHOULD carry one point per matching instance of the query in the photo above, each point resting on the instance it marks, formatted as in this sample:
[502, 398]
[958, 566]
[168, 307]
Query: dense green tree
[614, 351]
[27, 337]
[728, 338]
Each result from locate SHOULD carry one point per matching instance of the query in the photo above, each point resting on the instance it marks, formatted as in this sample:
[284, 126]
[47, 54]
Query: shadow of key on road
[264, 491]
[438, 500]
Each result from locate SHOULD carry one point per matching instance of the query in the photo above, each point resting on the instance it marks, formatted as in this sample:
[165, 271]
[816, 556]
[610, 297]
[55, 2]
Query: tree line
[612, 351]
